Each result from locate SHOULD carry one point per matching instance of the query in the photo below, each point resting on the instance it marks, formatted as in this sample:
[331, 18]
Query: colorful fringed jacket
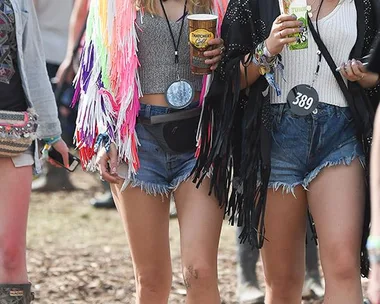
[107, 84]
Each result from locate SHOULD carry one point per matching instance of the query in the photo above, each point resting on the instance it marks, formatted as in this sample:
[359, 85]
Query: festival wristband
[373, 243]
[103, 140]
[266, 51]
[268, 65]
[52, 140]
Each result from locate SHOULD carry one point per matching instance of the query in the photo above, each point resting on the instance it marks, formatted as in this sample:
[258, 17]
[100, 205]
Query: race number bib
[303, 100]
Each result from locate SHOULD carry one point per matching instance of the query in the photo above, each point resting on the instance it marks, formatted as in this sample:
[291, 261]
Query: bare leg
[336, 199]
[200, 220]
[15, 188]
[146, 222]
[284, 252]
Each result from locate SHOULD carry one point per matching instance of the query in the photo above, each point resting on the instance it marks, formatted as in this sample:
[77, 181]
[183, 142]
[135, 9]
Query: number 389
[303, 101]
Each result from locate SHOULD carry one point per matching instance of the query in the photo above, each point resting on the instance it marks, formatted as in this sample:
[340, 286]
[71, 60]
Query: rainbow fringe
[107, 85]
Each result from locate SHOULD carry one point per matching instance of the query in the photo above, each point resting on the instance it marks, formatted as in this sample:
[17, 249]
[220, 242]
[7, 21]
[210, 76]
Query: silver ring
[222, 48]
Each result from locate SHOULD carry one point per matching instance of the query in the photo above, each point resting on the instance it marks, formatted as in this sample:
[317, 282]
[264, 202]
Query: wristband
[52, 140]
[104, 140]
[373, 243]
[266, 51]
[268, 65]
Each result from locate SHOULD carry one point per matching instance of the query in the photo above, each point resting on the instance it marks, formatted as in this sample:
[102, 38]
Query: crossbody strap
[326, 54]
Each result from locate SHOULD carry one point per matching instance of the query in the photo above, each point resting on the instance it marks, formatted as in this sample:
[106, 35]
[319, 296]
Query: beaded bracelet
[52, 140]
[268, 64]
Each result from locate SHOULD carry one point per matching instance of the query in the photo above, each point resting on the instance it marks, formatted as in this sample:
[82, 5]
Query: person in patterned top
[24, 85]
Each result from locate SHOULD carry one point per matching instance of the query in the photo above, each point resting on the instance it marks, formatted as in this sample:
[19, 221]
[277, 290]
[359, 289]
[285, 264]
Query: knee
[153, 283]
[342, 264]
[285, 285]
[199, 276]
[12, 255]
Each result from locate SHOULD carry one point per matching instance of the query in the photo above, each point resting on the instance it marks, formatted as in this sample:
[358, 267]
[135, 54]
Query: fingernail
[303, 29]
[298, 39]
[294, 16]
[113, 170]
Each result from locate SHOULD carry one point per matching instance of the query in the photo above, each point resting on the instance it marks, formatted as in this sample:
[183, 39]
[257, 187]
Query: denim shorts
[160, 172]
[303, 145]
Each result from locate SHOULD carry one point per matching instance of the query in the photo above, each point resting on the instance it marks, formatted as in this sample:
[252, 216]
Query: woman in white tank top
[300, 143]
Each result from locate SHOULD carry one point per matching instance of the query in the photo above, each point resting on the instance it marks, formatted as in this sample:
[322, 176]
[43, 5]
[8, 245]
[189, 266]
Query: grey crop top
[156, 54]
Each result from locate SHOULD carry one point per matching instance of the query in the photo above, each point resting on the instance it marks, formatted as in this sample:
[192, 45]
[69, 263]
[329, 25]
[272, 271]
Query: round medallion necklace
[180, 92]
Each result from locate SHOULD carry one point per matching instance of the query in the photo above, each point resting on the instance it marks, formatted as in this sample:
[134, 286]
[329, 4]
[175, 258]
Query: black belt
[170, 117]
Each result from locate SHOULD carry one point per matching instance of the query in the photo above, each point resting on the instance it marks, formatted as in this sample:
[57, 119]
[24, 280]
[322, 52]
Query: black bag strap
[326, 54]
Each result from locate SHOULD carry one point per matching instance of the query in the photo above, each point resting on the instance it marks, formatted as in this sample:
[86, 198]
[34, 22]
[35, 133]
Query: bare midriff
[159, 99]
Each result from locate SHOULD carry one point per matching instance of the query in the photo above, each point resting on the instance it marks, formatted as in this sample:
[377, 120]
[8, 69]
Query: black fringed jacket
[236, 125]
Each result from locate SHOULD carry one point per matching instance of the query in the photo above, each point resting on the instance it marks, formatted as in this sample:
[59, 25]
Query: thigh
[15, 189]
[200, 219]
[336, 199]
[283, 253]
[146, 223]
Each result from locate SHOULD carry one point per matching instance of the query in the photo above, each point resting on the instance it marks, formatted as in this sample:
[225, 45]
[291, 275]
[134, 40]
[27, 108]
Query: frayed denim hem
[343, 161]
[155, 189]
[286, 188]
[148, 188]
[289, 188]
[178, 181]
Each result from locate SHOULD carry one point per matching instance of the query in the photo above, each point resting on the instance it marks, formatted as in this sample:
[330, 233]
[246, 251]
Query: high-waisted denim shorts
[303, 145]
[160, 172]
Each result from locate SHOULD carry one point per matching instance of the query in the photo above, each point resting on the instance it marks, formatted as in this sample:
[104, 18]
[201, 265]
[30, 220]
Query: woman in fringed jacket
[290, 127]
[138, 115]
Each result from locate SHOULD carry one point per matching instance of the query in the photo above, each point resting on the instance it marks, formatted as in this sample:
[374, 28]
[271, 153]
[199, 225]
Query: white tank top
[338, 31]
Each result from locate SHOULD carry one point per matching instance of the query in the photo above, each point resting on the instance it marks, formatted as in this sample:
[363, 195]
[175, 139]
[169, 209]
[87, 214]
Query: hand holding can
[299, 9]
[202, 29]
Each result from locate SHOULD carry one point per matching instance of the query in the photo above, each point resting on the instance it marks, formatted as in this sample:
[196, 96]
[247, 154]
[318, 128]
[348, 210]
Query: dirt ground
[77, 254]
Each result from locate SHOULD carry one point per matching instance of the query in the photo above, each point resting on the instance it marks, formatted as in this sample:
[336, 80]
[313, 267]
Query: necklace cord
[176, 45]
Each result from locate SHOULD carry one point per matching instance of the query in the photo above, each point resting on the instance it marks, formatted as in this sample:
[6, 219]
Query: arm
[375, 178]
[77, 21]
[37, 84]
[249, 74]
[37, 81]
[353, 70]
[283, 26]
[373, 287]
[370, 81]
